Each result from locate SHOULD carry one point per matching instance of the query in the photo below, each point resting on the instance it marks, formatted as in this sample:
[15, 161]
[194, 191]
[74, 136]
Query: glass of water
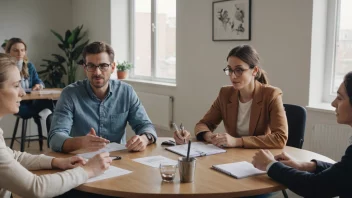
[167, 171]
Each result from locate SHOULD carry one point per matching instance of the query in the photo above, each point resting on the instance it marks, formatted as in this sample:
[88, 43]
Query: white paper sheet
[238, 169]
[154, 161]
[111, 172]
[109, 148]
[197, 149]
[45, 92]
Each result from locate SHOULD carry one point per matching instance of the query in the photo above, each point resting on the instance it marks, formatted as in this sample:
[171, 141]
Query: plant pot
[122, 74]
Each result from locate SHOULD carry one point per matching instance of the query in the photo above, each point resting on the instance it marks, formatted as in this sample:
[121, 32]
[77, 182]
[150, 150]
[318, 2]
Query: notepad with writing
[238, 169]
[197, 149]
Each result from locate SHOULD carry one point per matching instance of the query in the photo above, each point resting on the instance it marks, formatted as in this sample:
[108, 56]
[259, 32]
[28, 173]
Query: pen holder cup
[187, 169]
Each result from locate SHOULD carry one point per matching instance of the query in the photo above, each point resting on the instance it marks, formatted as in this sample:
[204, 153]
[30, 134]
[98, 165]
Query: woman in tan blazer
[14, 165]
[252, 111]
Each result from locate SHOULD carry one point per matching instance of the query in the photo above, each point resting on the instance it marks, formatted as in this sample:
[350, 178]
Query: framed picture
[232, 20]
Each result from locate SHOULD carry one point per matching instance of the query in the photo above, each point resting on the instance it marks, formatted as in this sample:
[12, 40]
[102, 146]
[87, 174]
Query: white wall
[95, 17]
[281, 32]
[32, 20]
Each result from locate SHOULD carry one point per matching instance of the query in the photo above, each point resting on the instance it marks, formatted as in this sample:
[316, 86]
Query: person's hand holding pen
[181, 136]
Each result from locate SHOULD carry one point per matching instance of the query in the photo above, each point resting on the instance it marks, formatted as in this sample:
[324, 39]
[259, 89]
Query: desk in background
[50, 94]
[146, 181]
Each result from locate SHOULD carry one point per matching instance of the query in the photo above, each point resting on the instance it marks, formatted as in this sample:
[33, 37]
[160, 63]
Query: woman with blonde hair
[14, 166]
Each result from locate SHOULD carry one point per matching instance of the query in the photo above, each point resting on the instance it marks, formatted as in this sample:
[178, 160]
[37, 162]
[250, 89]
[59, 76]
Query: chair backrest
[48, 124]
[296, 119]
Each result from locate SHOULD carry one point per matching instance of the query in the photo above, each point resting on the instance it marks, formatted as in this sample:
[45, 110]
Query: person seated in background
[14, 175]
[17, 48]
[315, 178]
[93, 112]
[251, 109]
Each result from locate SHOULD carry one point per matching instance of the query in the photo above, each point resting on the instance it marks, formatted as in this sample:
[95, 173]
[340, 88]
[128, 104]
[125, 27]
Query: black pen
[116, 157]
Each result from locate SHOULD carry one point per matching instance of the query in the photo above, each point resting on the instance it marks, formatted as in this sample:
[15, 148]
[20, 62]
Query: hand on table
[67, 163]
[92, 142]
[291, 162]
[262, 159]
[37, 87]
[225, 140]
[137, 143]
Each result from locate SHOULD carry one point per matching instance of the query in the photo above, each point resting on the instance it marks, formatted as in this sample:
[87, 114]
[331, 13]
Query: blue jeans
[29, 109]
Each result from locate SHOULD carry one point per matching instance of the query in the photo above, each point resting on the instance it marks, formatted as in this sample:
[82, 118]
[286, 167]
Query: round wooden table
[145, 181]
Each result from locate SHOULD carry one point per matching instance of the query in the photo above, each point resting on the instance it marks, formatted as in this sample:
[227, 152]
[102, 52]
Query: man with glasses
[93, 112]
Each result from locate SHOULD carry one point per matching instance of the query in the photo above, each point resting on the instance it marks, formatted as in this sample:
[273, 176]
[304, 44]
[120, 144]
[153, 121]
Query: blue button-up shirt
[79, 109]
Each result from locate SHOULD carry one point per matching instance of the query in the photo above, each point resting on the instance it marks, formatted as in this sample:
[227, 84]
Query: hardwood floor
[32, 149]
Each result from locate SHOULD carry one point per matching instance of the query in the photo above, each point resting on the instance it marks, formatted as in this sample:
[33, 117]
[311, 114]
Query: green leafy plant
[3, 45]
[72, 47]
[54, 71]
[124, 66]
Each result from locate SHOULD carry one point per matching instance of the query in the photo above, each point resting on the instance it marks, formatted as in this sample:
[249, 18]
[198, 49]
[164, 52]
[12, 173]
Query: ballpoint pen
[182, 129]
[176, 128]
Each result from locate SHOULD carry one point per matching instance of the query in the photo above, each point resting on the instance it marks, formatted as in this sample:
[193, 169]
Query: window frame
[154, 35]
[332, 32]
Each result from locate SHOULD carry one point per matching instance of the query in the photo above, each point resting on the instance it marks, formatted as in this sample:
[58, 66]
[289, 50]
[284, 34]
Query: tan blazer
[267, 126]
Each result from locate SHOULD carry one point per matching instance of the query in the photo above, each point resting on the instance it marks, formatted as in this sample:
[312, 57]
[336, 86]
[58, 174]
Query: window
[339, 46]
[153, 46]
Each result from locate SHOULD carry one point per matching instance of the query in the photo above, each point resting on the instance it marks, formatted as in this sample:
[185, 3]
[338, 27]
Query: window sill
[150, 82]
[321, 107]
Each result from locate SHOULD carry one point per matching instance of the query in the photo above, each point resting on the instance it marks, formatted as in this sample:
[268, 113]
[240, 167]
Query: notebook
[238, 169]
[197, 149]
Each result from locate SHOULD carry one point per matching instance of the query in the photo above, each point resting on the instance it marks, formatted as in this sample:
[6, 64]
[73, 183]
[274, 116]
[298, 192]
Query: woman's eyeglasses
[238, 71]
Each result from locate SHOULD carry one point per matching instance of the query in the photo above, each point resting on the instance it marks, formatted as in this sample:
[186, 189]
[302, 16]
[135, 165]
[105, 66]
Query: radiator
[329, 140]
[159, 109]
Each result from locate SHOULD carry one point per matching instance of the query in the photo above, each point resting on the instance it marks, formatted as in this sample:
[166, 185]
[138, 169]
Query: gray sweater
[16, 177]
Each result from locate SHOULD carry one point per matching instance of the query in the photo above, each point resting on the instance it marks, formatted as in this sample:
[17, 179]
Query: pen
[116, 157]
[176, 128]
[182, 129]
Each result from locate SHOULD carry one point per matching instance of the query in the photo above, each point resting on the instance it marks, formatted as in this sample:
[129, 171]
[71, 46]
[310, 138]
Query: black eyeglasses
[90, 67]
[238, 71]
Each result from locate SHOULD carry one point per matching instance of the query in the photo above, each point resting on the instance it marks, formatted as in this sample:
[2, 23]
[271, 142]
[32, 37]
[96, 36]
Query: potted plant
[122, 69]
[72, 45]
[53, 72]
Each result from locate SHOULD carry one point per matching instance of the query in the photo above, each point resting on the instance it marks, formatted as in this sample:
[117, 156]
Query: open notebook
[238, 169]
[197, 149]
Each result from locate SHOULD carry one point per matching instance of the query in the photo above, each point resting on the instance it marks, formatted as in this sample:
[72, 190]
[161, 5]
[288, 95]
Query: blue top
[79, 109]
[33, 76]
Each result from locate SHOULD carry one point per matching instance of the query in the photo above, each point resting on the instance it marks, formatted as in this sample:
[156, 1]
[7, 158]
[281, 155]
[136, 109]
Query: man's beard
[98, 85]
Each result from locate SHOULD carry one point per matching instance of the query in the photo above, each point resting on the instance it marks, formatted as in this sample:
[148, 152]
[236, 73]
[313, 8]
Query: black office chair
[48, 124]
[24, 136]
[296, 120]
